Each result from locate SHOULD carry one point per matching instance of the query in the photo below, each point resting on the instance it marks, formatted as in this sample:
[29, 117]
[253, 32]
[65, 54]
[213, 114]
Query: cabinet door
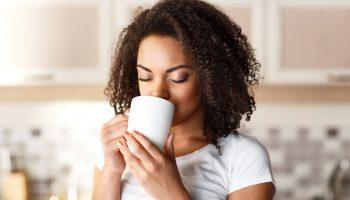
[248, 14]
[124, 11]
[54, 42]
[309, 42]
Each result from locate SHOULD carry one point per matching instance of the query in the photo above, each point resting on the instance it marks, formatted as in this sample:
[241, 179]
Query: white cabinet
[124, 11]
[308, 42]
[47, 42]
[297, 42]
[248, 14]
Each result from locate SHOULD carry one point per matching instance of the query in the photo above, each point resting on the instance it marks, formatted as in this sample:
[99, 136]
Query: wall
[56, 142]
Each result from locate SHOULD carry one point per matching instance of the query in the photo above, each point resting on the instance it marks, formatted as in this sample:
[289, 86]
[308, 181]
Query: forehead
[160, 52]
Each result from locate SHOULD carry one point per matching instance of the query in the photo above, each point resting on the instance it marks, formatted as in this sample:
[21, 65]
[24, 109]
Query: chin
[177, 118]
[183, 116]
[175, 121]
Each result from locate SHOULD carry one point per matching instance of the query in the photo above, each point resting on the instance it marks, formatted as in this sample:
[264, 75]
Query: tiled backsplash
[304, 142]
[56, 142]
[303, 157]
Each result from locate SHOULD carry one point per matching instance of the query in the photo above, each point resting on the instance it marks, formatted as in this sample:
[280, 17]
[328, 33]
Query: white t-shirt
[207, 175]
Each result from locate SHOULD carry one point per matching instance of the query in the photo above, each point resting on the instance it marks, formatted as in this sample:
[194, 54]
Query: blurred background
[54, 61]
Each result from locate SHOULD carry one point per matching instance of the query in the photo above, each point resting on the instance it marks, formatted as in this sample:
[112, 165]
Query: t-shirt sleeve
[250, 166]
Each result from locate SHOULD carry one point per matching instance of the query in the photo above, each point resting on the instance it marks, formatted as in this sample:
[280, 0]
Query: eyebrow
[167, 71]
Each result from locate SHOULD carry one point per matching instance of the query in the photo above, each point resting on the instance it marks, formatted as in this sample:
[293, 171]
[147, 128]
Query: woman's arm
[106, 185]
[262, 191]
[107, 182]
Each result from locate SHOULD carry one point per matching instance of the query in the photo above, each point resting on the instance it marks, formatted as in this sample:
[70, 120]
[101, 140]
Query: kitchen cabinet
[297, 42]
[54, 42]
[248, 14]
[70, 42]
[124, 11]
[308, 42]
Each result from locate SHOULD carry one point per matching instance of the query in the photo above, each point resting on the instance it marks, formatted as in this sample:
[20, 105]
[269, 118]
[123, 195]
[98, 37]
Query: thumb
[169, 147]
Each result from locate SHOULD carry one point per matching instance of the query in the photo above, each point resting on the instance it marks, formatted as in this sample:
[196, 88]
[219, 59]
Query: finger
[112, 136]
[110, 132]
[139, 151]
[117, 141]
[119, 117]
[169, 147]
[113, 146]
[131, 160]
[148, 145]
[128, 156]
[117, 123]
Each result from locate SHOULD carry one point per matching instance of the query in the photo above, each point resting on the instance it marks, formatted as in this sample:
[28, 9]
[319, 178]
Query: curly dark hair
[223, 59]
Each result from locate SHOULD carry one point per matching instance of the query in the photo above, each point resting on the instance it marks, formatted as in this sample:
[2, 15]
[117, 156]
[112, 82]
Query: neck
[191, 129]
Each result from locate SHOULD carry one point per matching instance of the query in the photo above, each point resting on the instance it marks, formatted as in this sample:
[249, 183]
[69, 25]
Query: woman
[191, 54]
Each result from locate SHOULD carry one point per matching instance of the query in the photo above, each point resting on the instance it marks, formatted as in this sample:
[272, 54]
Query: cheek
[142, 89]
[186, 101]
[186, 98]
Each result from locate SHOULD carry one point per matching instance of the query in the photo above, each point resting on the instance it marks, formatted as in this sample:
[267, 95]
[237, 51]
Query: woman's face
[165, 72]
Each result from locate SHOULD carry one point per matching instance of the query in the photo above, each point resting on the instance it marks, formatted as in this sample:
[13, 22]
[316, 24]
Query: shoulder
[247, 161]
[244, 154]
[239, 145]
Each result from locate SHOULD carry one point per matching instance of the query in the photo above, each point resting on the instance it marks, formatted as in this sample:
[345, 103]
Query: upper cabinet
[71, 41]
[249, 15]
[124, 11]
[308, 42]
[54, 42]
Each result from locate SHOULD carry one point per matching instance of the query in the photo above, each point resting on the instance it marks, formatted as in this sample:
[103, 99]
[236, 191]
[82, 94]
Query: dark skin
[159, 75]
[158, 53]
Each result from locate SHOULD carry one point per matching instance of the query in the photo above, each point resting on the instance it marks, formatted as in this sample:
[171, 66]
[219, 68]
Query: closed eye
[141, 79]
[176, 81]
[180, 81]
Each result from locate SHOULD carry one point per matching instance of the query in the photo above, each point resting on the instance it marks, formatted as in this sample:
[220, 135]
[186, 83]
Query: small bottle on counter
[14, 183]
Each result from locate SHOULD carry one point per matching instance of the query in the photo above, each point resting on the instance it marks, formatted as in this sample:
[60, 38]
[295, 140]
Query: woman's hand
[113, 131]
[156, 171]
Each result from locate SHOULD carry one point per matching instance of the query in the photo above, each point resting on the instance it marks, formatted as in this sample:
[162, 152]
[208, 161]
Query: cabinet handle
[39, 77]
[339, 78]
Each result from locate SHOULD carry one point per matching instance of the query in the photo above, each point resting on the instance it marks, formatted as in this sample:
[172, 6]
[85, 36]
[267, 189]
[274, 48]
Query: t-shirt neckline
[194, 152]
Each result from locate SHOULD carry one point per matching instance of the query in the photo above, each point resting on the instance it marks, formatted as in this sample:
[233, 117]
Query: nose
[160, 89]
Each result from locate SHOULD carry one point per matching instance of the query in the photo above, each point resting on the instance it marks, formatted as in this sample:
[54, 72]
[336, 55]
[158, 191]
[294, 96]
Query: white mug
[151, 116]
